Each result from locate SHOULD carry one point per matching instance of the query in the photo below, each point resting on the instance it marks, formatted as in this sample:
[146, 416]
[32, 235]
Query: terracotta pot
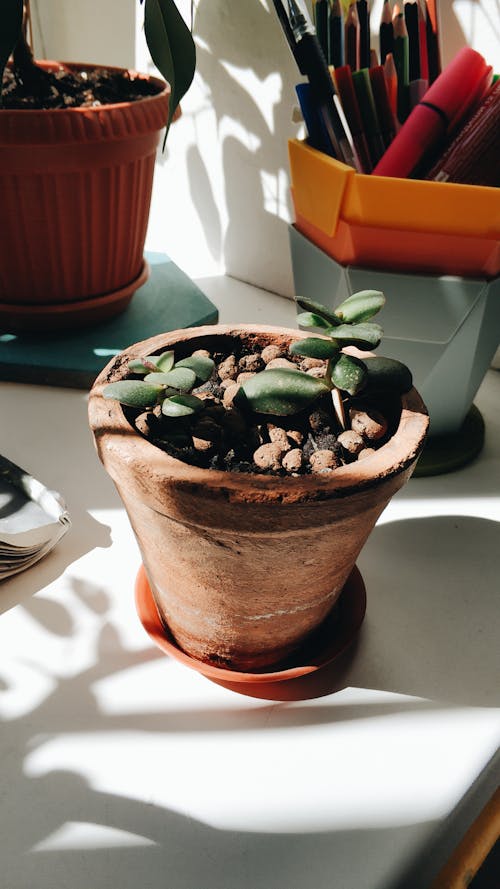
[243, 568]
[75, 192]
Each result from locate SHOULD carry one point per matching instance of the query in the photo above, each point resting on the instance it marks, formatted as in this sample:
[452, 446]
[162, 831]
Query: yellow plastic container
[326, 191]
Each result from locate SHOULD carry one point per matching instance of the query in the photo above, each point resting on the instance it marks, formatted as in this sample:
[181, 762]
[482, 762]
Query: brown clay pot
[243, 568]
[75, 192]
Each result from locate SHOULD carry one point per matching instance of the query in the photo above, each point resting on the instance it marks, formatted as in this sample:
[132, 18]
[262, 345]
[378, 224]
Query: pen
[312, 63]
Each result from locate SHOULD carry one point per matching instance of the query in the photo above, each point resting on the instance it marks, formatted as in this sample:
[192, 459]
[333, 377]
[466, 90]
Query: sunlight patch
[84, 835]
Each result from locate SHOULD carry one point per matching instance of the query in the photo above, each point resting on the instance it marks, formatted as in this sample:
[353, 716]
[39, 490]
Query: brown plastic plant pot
[75, 192]
[244, 567]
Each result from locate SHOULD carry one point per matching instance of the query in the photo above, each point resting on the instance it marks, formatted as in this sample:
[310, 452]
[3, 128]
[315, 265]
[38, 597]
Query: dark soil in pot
[70, 87]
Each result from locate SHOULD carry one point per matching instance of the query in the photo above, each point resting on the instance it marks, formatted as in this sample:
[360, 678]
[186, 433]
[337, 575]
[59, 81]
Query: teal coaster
[446, 453]
[169, 300]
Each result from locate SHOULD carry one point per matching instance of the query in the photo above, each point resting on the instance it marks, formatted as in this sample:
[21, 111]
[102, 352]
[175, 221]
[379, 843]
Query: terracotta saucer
[22, 318]
[331, 640]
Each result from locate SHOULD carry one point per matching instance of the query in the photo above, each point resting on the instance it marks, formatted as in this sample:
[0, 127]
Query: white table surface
[121, 768]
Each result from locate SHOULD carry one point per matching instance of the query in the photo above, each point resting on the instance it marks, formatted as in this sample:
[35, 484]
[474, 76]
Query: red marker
[452, 95]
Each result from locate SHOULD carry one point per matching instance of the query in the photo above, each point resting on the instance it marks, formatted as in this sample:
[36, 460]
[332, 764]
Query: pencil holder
[448, 354]
[406, 225]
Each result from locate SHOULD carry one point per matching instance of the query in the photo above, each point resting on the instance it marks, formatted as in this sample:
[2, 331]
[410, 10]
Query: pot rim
[114, 434]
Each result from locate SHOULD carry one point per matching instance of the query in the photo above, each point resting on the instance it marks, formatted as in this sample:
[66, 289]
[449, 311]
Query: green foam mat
[169, 300]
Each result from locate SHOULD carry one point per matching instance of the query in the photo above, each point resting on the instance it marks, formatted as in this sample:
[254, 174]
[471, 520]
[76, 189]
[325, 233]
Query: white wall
[221, 197]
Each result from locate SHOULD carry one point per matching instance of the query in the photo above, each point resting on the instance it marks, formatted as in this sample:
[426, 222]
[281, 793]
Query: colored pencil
[422, 39]
[364, 33]
[411, 22]
[382, 104]
[347, 95]
[336, 34]
[386, 32]
[369, 116]
[391, 79]
[401, 61]
[351, 41]
[373, 58]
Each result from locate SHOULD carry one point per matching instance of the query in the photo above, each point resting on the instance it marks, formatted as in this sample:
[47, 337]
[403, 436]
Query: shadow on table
[144, 844]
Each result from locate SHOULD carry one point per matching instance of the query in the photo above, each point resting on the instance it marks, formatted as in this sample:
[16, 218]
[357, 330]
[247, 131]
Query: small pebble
[268, 456]
[229, 395]
[370, 424]
[270, 352]
[279, 436]
[351, 441]
[295, 436]
[292, 460]
[228, 368]
[324, 459]
[227, 382]
[202, 353]
[252, 363]
[308, 363]
[281, 362]
[245, 375]
[317, 372]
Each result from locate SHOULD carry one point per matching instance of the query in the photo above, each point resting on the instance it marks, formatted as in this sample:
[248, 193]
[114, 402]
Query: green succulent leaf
[181, 378]
[315, 347]
[171, 46]
[134, 393]
[279, 391]
[364, 335]
[165, 361]
[309, 305]
[12, 19]
[138, 366]
[360, 306]
[309, 319]
[349, 374]
[388, 375]
[202, 366]
[182, 406]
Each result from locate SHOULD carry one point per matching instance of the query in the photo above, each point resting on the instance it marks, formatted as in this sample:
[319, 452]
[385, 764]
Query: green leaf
[202, 366]
[309, 305]
[171, 46]
[359, 335]
[360, 306]
[388, 375]
[137, 364]
[134, 393]
[182, 406]
[165, 361]
[182, 378]
[349, 374]
[10, 30]
[309, 319]
[314, 347]
[279, 391]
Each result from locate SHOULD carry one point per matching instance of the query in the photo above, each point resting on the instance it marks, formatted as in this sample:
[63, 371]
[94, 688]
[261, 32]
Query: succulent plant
[279, 391]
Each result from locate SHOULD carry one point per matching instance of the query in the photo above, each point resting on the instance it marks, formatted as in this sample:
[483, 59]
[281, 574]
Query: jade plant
[163, 383]
[168, 38]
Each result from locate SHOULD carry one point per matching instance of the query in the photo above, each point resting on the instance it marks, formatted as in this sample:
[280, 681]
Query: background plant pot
[75, 191]
[244, 567]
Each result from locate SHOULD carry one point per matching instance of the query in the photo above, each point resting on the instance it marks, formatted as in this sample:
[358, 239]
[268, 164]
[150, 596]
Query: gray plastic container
[446, 329]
